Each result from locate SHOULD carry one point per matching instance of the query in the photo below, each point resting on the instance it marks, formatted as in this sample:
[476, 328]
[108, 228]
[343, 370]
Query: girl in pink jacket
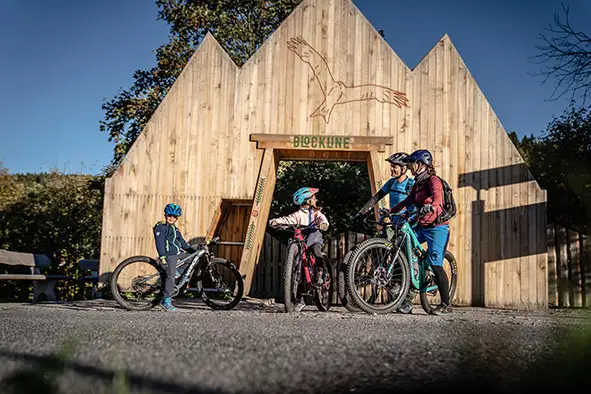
[308, 213]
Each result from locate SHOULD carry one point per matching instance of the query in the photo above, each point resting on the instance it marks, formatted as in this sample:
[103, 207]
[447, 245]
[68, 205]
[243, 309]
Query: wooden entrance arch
[278, 147]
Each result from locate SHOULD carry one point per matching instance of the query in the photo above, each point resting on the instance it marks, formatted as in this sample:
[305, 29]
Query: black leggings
[442, 283]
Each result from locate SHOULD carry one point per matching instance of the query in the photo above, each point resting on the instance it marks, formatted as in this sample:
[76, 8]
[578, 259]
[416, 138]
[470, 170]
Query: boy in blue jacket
[170, 244]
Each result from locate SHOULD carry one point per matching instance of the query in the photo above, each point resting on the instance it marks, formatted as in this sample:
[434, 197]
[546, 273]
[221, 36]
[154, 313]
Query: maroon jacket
[430, 191]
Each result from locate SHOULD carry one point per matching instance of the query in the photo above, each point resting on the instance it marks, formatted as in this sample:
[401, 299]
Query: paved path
[257, 348]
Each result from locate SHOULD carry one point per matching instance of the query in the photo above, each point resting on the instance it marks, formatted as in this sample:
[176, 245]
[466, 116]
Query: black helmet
[398, 158]
[422, 155]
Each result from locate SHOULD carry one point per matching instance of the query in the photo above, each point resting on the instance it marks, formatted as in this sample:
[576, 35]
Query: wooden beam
[375, 178]
[215, 220]
[317, 155]
[321, 142]
[219, 216]
[257, 224]
[22, 277]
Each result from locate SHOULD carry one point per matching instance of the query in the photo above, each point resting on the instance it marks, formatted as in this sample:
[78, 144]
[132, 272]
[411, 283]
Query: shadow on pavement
[43, 375]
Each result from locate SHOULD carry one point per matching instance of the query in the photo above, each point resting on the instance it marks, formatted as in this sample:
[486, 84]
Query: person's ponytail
[431, 170]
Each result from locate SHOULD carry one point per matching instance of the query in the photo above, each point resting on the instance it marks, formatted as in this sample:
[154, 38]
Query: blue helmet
[422, 155]
[173, 209]
[303, 194]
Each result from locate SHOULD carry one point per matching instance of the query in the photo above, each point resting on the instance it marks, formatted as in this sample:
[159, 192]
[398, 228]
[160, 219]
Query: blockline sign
[320, 141]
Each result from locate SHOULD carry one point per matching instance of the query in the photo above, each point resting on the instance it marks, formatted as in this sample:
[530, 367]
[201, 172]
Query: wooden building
[327, 86]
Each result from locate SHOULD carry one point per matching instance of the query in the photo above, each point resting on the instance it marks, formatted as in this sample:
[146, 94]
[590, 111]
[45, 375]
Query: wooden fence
[268, 280]
[569, 268]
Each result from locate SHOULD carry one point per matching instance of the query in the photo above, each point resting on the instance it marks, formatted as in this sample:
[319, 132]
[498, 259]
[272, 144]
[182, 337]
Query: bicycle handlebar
[293, 226]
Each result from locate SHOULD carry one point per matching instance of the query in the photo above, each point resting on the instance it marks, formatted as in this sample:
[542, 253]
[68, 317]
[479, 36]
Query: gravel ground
[258, 348]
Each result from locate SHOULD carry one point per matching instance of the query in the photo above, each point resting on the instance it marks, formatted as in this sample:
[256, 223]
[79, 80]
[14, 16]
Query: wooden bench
[43, 285]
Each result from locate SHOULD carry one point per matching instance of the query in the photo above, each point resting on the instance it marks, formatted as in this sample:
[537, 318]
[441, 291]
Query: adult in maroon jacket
[427, 196]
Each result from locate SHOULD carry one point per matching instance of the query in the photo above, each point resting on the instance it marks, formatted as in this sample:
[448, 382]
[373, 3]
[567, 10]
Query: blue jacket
[397, 190]
[169, 240]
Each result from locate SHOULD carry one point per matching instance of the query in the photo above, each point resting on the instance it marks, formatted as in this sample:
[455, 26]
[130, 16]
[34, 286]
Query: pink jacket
[301, 217]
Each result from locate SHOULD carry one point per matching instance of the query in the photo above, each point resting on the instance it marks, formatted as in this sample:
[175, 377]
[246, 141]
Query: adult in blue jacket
[398, 186]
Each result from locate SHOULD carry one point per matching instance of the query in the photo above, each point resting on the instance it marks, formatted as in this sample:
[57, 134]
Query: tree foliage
[560, 161]
[53, 214]
[240, 26]
[344, 188]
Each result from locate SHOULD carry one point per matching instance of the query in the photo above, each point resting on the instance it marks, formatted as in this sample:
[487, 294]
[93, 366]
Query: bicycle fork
[308, 266]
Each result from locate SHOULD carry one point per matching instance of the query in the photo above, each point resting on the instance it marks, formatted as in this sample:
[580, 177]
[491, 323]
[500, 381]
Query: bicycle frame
[194, 259]
[406, 238]
[308, 259]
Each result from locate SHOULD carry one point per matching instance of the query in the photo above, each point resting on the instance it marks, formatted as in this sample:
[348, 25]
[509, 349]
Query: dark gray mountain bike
[136, 283]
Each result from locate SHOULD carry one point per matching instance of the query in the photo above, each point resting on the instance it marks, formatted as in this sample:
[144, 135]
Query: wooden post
[586, 269]
[215, 221]
[261, 204]
[574, 269]
[552, 277]
[375, 178]
[563, 284]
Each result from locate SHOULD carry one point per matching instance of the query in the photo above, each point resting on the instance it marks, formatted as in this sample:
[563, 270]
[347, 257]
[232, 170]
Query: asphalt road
[257, 348]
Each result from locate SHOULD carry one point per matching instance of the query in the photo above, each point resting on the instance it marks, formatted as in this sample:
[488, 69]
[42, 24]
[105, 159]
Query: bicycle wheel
[342, 287]
[292, 274]
[430, 299]
[370, 286]
[323, 296]
[221, 285]
[138, 276]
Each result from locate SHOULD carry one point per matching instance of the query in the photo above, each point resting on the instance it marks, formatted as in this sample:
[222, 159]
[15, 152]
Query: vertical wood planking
[586, 270]
[562, 254]
[574, 268]
[200, 135]
[552, 277]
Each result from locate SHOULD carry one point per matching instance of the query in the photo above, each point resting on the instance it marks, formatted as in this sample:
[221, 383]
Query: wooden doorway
[303, 148]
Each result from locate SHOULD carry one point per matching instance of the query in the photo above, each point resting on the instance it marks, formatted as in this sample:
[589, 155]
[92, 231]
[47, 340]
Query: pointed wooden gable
[324, 74]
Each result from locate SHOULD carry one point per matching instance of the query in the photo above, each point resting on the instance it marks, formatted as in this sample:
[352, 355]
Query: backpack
[449, 204]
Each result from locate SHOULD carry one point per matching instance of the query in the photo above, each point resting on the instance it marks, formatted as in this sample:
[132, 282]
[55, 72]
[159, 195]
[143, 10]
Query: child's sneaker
[299, 306]
[166, 304]
[405, 308]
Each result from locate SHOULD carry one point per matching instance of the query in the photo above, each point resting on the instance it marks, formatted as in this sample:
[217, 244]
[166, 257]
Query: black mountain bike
[136, 283]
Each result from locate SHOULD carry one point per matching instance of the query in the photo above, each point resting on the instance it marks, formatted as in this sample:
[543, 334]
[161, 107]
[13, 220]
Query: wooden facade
[326, 72]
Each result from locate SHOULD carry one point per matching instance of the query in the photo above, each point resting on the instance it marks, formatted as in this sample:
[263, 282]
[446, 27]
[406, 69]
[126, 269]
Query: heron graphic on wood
[336, 92]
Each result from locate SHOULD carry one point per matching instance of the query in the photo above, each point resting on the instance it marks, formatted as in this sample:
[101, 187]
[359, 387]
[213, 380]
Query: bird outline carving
[337, 92]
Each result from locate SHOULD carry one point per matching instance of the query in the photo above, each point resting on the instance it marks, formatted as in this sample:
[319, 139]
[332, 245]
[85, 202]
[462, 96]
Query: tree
[561, 163]
[567, 53]
[240, 26]
[53, 214]
[344, 188]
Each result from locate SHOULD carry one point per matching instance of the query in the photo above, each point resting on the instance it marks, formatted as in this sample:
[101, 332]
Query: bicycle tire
[453, 283]
[239, 282]
[343, 294]
[288, 270]
[319, 305]
[342, 287]
[351, 287]
[114, 288]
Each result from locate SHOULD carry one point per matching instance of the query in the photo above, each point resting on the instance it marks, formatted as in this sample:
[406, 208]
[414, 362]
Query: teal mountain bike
[383, 272]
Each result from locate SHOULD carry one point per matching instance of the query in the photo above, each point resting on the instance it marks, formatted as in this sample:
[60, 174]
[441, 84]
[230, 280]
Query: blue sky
[60, 59]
